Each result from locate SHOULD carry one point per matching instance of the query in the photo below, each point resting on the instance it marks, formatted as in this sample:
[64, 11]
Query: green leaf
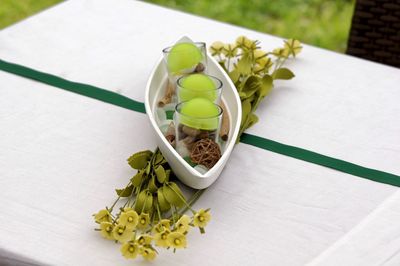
[250, 86]
[282, 73]
[144, 201]
[189, 161]
[140, 199]
[170, 114]
[148, 169]
[242, 95]
[246, 109]
[173, 194]
[234, 75]
[266, 88]
[159, 159]
[160, 173]
[139, 160]
[243, 66]
[178, 191]
[170, 195]
[162, 202]
[148, 202]
[152, 185]
[251, 121]
[137, 179]
[125, 192]
[167, 175]
[266, 85]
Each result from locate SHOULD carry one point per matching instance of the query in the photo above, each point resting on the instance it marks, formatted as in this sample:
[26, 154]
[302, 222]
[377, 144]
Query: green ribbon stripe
[79, 88]
[266, 144]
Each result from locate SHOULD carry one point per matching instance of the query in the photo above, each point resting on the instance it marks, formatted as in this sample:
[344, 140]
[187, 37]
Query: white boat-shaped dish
[186, 173]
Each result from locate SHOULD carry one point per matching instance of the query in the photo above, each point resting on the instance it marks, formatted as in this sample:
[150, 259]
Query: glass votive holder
[197, 121]
[199, 86]
[184, 58]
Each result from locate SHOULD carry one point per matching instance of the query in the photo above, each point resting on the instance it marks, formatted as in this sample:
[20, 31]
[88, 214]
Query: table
[62, 154]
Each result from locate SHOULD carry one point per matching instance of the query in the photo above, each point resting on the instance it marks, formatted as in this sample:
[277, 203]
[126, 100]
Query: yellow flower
[265, 62]
[102, 216]
[130, 250]
[129, 218]
[161, 238]
[106, 230]
[158, 228]
[281, 52]
[148, 253]
[144, 240]
[216, 48]
[122, 233]
[243, 41]
[258, 68]
[162, 225]
[294, 46]
[201, 218]
[176, 240]
[143, 221]
[182, 225]
[258, 54]
[166, 223]
[230, 50]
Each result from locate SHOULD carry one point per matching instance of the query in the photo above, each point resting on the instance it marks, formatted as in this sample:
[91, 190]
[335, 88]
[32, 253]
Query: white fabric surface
[62, 154]
[380, 230]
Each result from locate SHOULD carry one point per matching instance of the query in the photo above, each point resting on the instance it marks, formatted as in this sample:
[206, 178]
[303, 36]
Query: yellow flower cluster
[230, 50]
[232, 53]
[124, 229]
[139, 234]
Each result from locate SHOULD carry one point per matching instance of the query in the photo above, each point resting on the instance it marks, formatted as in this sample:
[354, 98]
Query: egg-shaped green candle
[200, 113]
[197, 86]
[183, 56]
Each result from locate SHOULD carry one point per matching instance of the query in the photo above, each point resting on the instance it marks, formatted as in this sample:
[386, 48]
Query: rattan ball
[205, 152]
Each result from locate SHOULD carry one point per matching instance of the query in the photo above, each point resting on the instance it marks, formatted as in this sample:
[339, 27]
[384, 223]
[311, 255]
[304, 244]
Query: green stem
[192, 200]
[115, 202]
[159, 213]
[195, 197]
[126, 203]
[173, 210]
[276, 64]
[182, 198]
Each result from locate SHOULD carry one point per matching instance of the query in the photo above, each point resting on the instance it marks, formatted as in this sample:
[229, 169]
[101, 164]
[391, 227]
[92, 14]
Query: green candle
[200, 113]
[183, 56]
[197, 85]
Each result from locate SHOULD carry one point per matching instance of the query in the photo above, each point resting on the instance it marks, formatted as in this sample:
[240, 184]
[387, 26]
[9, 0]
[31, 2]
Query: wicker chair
[375, 31]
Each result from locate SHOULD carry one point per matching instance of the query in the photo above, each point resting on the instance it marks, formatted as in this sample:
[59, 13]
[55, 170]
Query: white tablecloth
[62, 154]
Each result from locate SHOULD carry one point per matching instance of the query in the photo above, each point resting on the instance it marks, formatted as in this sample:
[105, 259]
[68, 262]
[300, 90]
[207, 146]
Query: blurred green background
[12, 11]
[323, 23]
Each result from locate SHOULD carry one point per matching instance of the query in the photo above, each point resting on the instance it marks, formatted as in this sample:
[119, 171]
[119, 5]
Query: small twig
[192, 200]
[169, 92]
[225, 124]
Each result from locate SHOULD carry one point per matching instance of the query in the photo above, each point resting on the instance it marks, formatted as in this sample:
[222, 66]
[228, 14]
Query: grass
[318, 22]
[12, 11]
[324, 23]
